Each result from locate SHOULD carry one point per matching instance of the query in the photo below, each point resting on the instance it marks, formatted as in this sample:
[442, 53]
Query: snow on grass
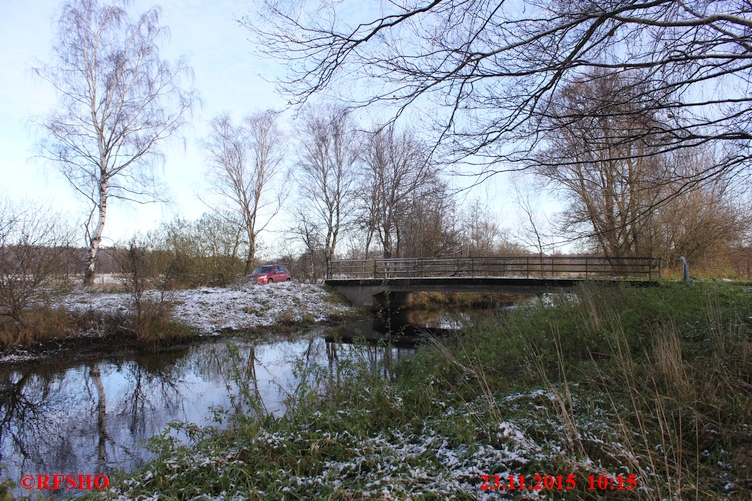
[212, 310]
[397, 463]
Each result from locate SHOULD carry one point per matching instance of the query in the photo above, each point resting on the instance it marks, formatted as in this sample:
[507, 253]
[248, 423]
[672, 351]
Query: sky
[228, 76]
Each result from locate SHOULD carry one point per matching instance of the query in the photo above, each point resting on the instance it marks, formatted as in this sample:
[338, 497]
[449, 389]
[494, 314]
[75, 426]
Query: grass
[45, 327]
[154, 325]
[650, 382]
[40, 324]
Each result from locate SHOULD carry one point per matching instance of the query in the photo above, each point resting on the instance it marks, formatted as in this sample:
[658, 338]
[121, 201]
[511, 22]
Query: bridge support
[375, 296]
[360, 295]
[392, 301]
[371, 292]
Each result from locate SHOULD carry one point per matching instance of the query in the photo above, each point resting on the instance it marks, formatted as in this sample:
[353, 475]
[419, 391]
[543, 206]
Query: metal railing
[514, 266]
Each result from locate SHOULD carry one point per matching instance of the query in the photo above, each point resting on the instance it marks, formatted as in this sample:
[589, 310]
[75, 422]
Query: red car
[267, 274]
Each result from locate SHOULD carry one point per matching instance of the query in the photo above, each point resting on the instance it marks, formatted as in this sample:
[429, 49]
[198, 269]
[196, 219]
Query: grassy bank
[153, 320]
[52, 332]
[653, 385]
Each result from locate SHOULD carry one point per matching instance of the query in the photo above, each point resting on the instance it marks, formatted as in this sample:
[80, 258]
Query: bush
[31, 266]
[147, 280]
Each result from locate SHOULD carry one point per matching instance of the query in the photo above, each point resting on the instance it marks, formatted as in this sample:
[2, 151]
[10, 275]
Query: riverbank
[91, 321]
[216, 310]
[601, 394]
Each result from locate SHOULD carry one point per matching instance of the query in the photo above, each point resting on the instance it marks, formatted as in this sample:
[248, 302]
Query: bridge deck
[461, 284]
[361, 280]
[588, 267]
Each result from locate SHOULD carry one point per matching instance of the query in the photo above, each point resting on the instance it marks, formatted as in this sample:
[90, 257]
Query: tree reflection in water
[96, 376]
[30, 407]
[88, 417]
[153, 387]
[55, 418]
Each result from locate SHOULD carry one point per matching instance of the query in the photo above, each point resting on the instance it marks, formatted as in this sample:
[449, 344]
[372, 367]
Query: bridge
[362, 280]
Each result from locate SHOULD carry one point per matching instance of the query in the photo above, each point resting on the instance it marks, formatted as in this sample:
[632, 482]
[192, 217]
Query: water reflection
[88, 418]
[83, 418]
[408, 327]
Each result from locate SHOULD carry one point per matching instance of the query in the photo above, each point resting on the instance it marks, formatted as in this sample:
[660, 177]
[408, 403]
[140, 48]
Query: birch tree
[326, 172]
[244, 162]
[119, 101]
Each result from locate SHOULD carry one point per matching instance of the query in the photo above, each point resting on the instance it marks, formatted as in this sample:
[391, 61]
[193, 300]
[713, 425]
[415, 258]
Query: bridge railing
[588, 267]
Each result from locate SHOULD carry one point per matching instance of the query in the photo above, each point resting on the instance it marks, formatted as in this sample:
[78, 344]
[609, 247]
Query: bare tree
[426, 223]
[623, 197]
[244, 161]
[489, 68]
[326, 172]
[599, 158]
[118, 102]
[481, 234]
[309, 232]
[703, 224]
[32, 240]
[532, 227]
[397, 165]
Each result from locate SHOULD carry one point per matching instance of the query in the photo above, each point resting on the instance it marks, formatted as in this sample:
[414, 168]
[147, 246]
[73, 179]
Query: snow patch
[212, 310]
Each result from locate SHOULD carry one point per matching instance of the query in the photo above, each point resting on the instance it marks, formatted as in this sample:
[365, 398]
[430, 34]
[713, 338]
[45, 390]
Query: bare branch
[119, 101]
[487, 69]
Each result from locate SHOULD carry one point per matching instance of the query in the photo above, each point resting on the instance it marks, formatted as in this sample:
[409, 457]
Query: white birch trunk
[96, 238]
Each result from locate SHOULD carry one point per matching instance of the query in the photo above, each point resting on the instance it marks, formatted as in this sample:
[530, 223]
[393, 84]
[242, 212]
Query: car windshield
[262, 269]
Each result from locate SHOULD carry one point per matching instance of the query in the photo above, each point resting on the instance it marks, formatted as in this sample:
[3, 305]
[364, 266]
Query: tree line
[639, 171]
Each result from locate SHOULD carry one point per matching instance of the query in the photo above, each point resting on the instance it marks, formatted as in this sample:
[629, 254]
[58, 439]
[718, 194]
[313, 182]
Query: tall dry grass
[674, 365]
[40, 325]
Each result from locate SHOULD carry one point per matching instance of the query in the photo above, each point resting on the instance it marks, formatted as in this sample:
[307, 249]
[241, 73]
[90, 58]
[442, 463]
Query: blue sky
[227, 76]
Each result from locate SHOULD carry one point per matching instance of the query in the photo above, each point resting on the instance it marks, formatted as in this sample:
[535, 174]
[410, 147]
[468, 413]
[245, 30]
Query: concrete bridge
[364, 282]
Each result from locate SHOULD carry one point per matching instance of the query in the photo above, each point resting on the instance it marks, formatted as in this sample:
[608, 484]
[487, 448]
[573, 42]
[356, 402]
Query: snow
[213, 310]
[420, 460]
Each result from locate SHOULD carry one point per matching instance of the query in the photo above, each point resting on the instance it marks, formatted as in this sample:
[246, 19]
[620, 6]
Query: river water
[92, 417]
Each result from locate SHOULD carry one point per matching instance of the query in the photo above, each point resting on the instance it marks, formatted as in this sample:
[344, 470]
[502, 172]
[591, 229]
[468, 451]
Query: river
[92, 417]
